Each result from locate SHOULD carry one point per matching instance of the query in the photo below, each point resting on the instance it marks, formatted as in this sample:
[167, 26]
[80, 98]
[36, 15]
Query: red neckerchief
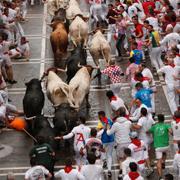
[113, 98]
[136, 142]
[172, 65]
[104, 120]
[142, 79]
[177, 120]
[178, 55]
[68, 169]
[133, 175]
[179, 152]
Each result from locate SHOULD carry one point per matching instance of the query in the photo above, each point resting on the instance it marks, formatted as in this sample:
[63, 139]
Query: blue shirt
[107, 138]
[137, 55]
[144, 95]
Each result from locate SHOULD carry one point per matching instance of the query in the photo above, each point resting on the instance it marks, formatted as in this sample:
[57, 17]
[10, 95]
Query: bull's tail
[101, 48]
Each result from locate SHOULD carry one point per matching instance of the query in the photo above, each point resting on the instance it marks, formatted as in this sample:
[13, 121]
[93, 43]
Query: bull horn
[79, 65]
[62, 70]
[69, 50]
[90, 32]
[105, 29]
[95, 67]
[86, 48]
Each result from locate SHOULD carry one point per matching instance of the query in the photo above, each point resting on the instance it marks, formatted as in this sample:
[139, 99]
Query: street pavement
[37, 32]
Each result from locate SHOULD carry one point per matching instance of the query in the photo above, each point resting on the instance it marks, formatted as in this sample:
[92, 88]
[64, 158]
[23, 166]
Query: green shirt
[160, 133]
[42, 154]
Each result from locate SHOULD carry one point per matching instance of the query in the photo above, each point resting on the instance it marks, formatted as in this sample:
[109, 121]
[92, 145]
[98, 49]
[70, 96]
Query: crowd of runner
[139, 28]
[13, 45]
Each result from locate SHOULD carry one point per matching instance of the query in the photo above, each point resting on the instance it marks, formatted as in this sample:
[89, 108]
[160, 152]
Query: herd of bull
[66, 97]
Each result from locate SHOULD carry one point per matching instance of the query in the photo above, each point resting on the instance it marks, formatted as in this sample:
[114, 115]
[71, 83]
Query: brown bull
[59, 42]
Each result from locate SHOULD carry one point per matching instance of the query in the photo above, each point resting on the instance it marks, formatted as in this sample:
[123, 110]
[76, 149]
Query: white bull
[57, 90]
[78, 31]
[73, 9]
[54, 5]
[79, 86]
[100, 48]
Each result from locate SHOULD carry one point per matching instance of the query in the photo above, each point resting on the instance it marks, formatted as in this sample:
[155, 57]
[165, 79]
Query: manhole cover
[5, 150]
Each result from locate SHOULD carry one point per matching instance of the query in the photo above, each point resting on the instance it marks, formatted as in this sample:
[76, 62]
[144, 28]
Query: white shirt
[36, 172]
[147, 73]
[80, 133]
[154, 22]
[128, 178]
[121, 129]
[138, 153]
[176, 130]
[116, 104]
[23, 48]
[145, 123]
[137, 113]
[92, 172]
[176, 163]
[171, 39]
[169, 72]
[72, 175]
[125, 165]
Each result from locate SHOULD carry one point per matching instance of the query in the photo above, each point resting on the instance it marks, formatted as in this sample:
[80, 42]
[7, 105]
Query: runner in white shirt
[68, 173]
[80, 134]
[127, 161]
[92, 171]
[171, 39]
[139, 151]
[133, 174]
[22, 50]
[175, 126]
[120, 129]
[143, 125]
[93, 144]
[137, 113]
[169, 72]
[115, 101]
[37, 172]
[176, 161]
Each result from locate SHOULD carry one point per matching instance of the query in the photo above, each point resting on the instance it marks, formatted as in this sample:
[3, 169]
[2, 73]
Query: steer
[100, 48]
[59, 41]
[54, 5]
[73, 9]
[78, 30]
[79, 86]
[57, 90]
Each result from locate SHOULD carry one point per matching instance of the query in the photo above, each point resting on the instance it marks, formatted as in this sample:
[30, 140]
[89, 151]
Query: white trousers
[172, 96]
[155, 56]
[108, 154]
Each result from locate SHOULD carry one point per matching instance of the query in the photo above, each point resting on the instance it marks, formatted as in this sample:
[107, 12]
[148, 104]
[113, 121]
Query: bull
[79, 87]
[41, 127]
[59, 39]
[78, 55]
[65, 119]
[33, 101]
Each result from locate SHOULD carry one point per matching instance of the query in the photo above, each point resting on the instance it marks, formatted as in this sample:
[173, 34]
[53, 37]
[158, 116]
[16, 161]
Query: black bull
[78, 55]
